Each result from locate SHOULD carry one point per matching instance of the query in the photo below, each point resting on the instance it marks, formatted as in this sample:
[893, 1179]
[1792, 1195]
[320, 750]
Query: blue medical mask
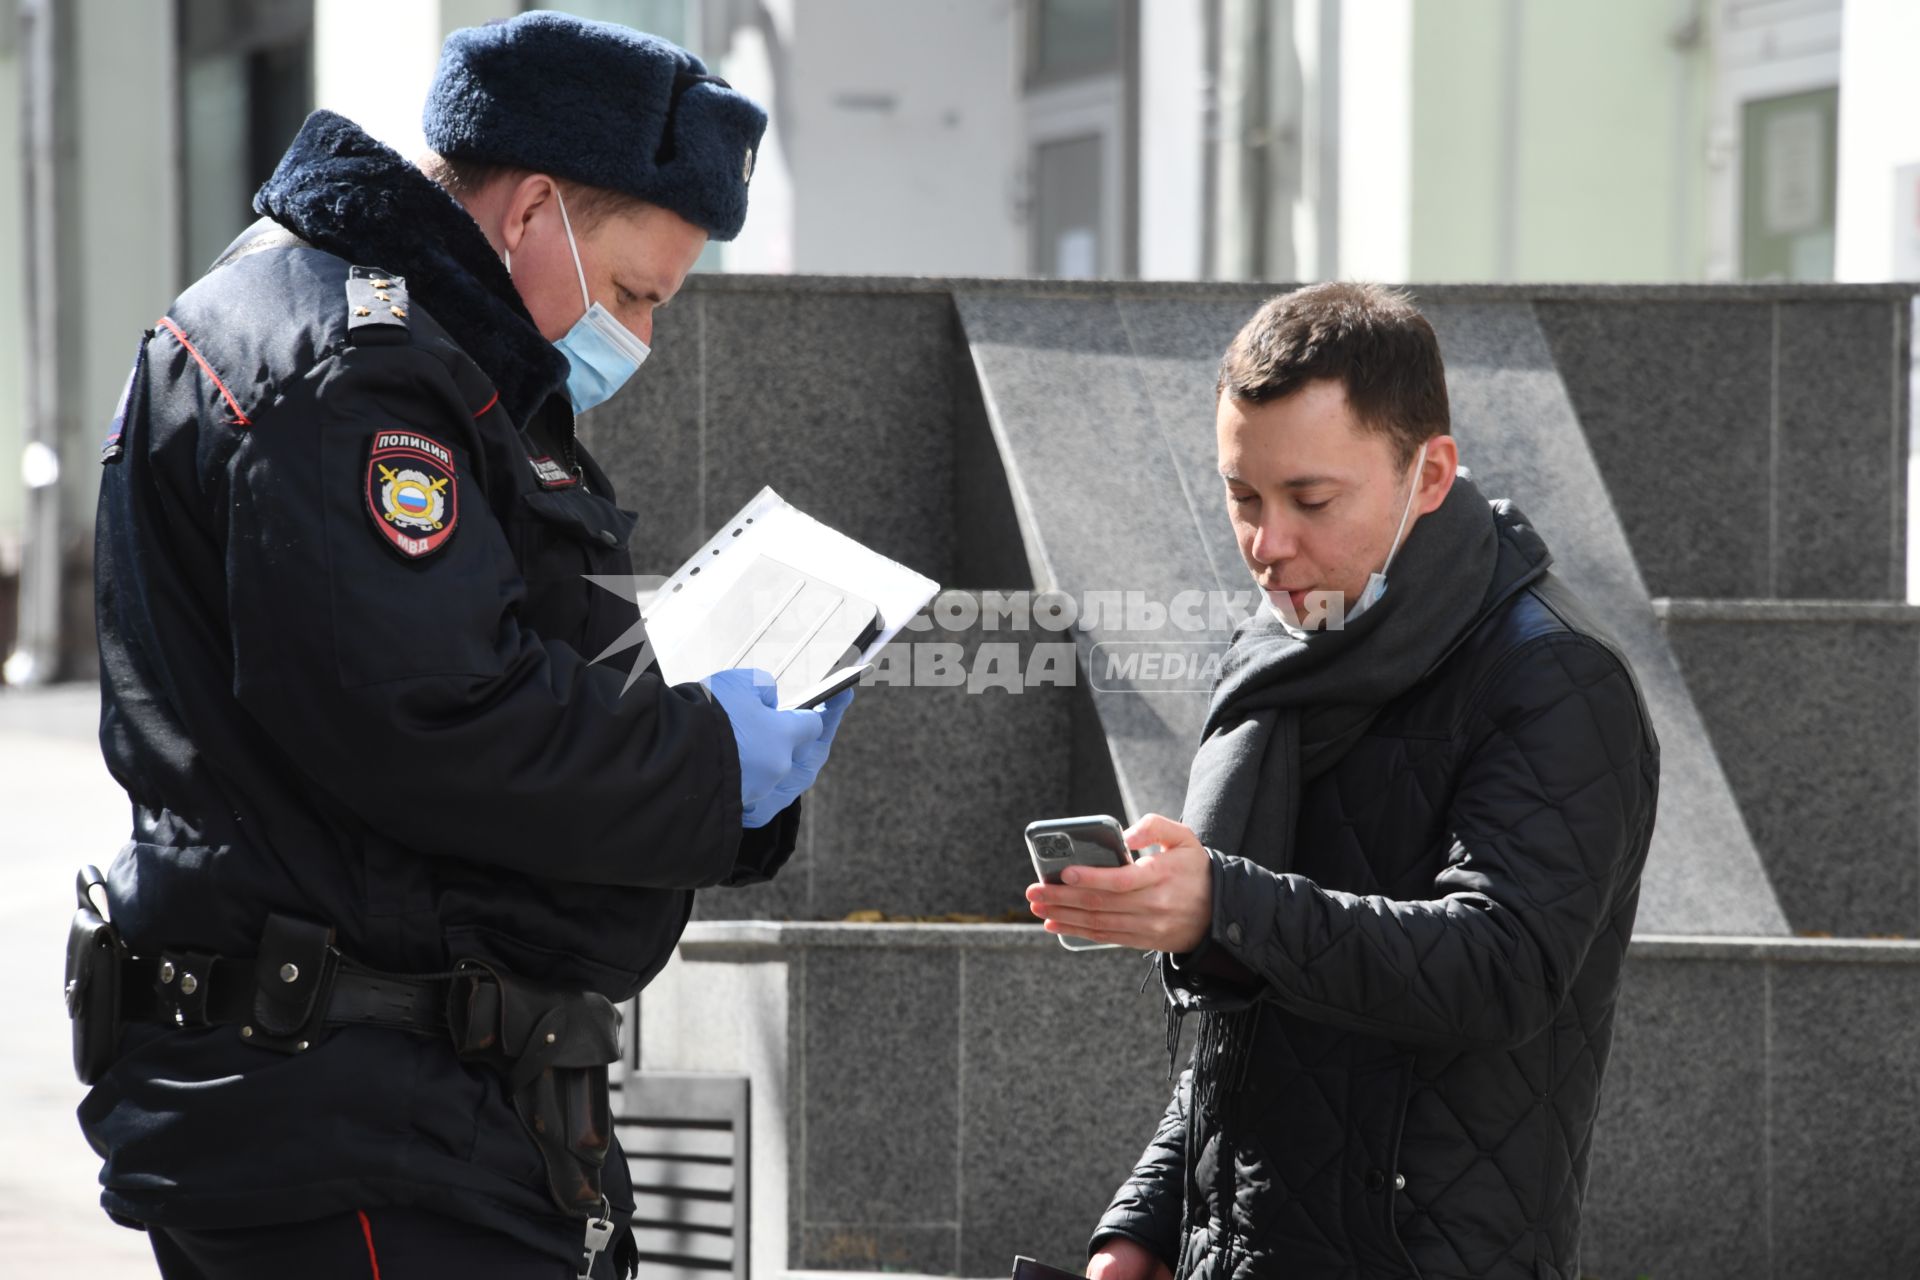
[601, 352]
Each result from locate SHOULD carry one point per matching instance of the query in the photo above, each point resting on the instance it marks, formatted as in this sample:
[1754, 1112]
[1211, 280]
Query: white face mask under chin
[1377, 582]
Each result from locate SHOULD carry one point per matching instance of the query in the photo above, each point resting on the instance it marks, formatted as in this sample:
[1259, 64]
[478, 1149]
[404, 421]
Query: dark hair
[1369, 338]
[587, 207]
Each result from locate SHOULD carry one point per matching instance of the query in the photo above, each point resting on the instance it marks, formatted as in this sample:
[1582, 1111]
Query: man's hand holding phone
[1161, 902]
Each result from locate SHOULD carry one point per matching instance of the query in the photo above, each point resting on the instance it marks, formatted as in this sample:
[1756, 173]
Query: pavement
[59, 808]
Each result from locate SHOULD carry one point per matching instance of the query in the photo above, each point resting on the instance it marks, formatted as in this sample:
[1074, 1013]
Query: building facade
[1415, 140]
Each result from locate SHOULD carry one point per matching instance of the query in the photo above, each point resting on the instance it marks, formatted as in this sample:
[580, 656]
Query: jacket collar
[1523, 556]
[1522, 559]
[341, 190]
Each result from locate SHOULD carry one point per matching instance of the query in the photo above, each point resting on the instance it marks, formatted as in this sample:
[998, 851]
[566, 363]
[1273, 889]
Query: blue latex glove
[806, 764]
[768, 739]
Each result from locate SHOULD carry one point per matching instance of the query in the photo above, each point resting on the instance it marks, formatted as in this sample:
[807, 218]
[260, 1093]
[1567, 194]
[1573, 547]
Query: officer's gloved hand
[769, 740]
[807, 764]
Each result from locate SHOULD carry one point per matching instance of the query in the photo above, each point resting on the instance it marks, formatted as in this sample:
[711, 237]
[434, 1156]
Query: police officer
[398, 843]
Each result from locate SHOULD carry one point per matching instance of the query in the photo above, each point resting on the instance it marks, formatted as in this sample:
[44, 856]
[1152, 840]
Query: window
[675, 20]
[246, 84]
[1787, 186]
[1066, 213]
[1072, 38]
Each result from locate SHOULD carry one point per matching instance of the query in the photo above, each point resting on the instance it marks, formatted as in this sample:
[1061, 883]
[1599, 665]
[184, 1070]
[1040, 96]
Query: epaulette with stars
[376, 307]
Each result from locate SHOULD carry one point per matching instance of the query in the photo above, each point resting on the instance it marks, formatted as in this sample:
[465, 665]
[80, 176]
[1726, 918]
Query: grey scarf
[1285, 710]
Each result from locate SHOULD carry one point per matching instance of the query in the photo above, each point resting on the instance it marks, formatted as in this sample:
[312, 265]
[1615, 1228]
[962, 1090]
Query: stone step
[1813, 707]
[936, 1099]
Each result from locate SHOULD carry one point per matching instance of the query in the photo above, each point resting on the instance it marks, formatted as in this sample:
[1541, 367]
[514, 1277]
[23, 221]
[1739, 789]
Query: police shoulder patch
[412, 492]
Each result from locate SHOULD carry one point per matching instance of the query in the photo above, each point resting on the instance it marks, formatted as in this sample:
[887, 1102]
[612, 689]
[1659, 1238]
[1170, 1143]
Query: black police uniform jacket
[346, 644]
[1435, 974]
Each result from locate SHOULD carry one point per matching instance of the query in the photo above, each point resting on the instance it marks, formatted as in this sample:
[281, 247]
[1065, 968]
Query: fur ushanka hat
[602, 105]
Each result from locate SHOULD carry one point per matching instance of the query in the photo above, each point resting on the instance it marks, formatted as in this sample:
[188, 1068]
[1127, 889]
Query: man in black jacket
[1411, 854]
[398, 843]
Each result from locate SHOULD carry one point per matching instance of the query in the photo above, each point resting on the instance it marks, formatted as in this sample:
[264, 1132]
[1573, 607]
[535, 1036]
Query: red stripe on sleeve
[240, 419]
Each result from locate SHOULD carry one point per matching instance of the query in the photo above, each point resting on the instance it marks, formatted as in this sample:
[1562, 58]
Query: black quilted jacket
[1436, 976]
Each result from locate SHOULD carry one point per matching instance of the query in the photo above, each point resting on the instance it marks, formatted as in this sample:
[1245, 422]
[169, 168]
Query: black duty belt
[552, 1044]
[193, 989]
[284, 997]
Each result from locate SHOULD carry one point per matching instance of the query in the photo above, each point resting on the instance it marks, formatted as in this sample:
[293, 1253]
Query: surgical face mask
[601, 352]
[1376, 583]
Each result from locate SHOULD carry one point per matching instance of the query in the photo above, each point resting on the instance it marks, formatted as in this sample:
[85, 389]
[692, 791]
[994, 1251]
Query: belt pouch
[292, 979]
[93, 983]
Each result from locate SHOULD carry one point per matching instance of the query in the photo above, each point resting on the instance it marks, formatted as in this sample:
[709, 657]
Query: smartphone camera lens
[1054, 845]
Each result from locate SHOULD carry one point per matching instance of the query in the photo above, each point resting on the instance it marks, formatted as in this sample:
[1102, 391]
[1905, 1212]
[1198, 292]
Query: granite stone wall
[1128, 380]
[1754, 440]
[1722, 474]
[939, 1099]
[1004, 435]
[1761, 1116]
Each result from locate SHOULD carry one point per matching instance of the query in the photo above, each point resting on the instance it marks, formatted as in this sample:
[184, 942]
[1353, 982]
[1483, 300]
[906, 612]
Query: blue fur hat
[602, 105]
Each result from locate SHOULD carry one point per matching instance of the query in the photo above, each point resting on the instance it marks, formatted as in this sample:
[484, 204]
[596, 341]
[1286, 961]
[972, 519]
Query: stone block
[988, 552]
[1839, 485]
[927, 819]
[843, 403]
[1676, 400]
[1178, 343]
[879, 1099]
[838, 1249]
[1104, 505]
[920, 809]
[789, 895]
[1091, 784]
[1845, 1120]
[1679, 1173]
[1816, 717]
[1063, 1078]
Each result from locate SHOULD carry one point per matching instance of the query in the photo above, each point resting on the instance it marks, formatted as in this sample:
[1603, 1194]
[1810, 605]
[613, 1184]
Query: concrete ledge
[1262, 290]
[703, 939]
[1778, 950]
[722, 940]
[1693, 610]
